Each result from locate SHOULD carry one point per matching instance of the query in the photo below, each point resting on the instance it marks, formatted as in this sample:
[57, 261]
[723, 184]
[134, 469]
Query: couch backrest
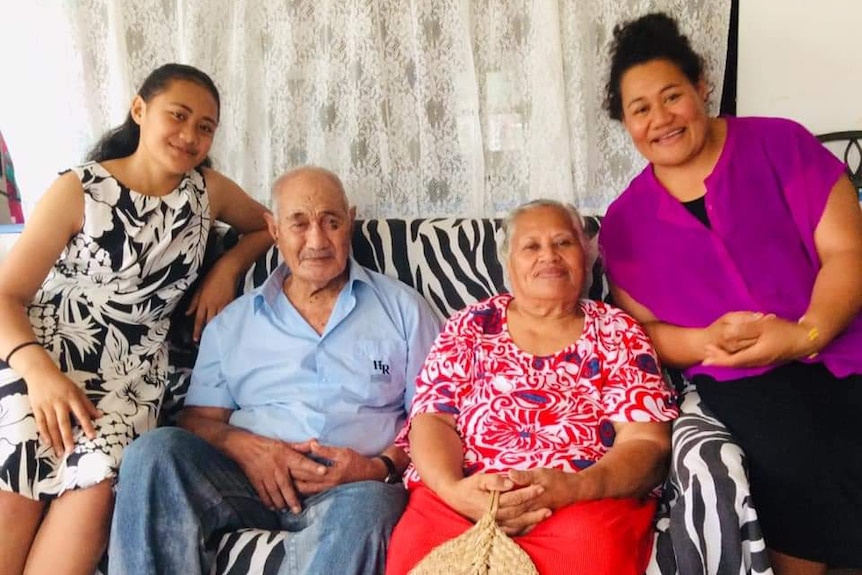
[452, 262]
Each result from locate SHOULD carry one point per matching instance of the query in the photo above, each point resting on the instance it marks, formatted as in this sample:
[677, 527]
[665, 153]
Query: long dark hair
[655, 36]
[122, 141]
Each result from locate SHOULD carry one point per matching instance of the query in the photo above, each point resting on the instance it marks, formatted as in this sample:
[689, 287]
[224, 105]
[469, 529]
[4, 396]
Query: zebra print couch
[706, 524]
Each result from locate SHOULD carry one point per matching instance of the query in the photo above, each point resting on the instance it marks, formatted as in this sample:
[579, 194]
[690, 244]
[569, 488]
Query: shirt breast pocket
[381, 364]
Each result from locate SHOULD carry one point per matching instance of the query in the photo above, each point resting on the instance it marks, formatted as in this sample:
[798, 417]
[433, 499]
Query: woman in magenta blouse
[740, 248]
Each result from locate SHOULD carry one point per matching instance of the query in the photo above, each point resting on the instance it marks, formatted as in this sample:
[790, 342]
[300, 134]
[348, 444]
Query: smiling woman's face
[546, 260]
[177, 125]
[664, 113]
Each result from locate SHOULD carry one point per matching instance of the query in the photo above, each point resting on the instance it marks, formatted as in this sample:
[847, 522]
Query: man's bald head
[316, 176]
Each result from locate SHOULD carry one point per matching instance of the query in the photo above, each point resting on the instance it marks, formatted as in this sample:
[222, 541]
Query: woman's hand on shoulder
[216, 291]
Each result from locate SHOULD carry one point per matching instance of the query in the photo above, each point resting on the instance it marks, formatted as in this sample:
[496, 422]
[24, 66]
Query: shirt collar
[269, 290]
[668, 208]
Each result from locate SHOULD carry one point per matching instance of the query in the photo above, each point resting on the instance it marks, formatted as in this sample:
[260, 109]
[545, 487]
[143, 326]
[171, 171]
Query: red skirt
[603, 537]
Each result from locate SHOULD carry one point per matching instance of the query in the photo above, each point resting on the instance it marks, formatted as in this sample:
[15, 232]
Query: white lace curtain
[424, 107]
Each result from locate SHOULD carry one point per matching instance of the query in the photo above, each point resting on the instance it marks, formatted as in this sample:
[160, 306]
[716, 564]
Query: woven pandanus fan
[481, 550]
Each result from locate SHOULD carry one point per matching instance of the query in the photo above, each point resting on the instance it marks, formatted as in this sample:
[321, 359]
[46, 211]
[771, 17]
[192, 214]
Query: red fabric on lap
[604, 537]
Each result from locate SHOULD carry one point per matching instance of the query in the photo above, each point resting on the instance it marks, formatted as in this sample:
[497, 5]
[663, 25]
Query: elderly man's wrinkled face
[546, 260]
[312, 228]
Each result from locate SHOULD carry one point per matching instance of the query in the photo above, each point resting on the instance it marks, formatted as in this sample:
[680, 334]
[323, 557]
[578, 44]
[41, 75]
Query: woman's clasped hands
[526, 498]
[754, 339]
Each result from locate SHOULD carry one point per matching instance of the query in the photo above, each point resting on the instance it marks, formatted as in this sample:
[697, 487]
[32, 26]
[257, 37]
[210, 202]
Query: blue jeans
[178, 495]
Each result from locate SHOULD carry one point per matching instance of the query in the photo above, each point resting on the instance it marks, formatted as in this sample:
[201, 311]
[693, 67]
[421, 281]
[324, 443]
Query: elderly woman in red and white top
[556, 401]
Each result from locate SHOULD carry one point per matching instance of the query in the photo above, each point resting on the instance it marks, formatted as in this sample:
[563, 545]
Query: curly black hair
[654, 36]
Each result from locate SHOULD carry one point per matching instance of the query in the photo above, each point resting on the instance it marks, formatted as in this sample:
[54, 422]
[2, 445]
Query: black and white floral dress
[103, 314]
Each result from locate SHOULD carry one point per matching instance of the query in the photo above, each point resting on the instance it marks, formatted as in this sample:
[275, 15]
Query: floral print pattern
[514, 410]
[103, 313]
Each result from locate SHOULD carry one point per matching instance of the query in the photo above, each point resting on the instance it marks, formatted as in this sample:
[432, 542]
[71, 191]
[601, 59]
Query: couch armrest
[707, 517]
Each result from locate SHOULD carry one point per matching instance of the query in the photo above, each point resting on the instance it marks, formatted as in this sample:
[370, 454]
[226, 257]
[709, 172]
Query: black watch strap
[392, 475]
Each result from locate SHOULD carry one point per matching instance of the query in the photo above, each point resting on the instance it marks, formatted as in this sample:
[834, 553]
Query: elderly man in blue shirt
[298, 392]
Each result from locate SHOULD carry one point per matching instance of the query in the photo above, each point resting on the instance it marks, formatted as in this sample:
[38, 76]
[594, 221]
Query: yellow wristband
[812, 335]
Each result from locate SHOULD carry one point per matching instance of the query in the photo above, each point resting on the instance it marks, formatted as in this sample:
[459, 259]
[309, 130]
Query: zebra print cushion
[250, 551]
[451, 261]
[706, 522]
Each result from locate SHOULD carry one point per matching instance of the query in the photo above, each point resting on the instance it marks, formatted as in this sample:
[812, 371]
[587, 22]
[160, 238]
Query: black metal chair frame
[854, 142]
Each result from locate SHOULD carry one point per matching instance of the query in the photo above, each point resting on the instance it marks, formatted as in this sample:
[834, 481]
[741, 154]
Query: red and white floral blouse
[514, 410]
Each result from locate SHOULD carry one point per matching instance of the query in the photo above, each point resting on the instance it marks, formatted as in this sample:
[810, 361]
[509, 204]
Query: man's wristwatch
[392, 475]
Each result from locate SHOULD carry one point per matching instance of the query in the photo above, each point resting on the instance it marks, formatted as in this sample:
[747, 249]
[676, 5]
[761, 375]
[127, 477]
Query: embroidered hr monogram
[381, 367]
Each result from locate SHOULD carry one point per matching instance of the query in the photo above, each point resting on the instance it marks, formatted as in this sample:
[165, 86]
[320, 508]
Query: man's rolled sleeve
[209, 387]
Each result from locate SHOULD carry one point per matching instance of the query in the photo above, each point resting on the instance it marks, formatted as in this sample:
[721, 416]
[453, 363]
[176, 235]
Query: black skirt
[801, 429]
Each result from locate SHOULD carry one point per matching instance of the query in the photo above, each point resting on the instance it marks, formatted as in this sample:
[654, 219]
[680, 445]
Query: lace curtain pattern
[423, 107]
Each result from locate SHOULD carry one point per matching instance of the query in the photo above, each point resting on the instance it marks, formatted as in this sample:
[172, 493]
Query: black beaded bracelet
[19, 346]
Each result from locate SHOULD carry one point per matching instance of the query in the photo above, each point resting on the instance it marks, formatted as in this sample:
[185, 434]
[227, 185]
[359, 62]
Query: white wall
[6, 241]
[42, 107]
[802, 59]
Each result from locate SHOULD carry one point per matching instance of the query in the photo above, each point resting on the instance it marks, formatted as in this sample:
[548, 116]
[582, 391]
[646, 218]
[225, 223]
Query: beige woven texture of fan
[481, 550]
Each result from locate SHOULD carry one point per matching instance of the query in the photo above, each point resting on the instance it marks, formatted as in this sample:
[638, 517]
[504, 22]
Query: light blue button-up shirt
[349, 387]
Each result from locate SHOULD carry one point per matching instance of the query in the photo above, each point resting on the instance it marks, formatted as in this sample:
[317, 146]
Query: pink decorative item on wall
[11, 210]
